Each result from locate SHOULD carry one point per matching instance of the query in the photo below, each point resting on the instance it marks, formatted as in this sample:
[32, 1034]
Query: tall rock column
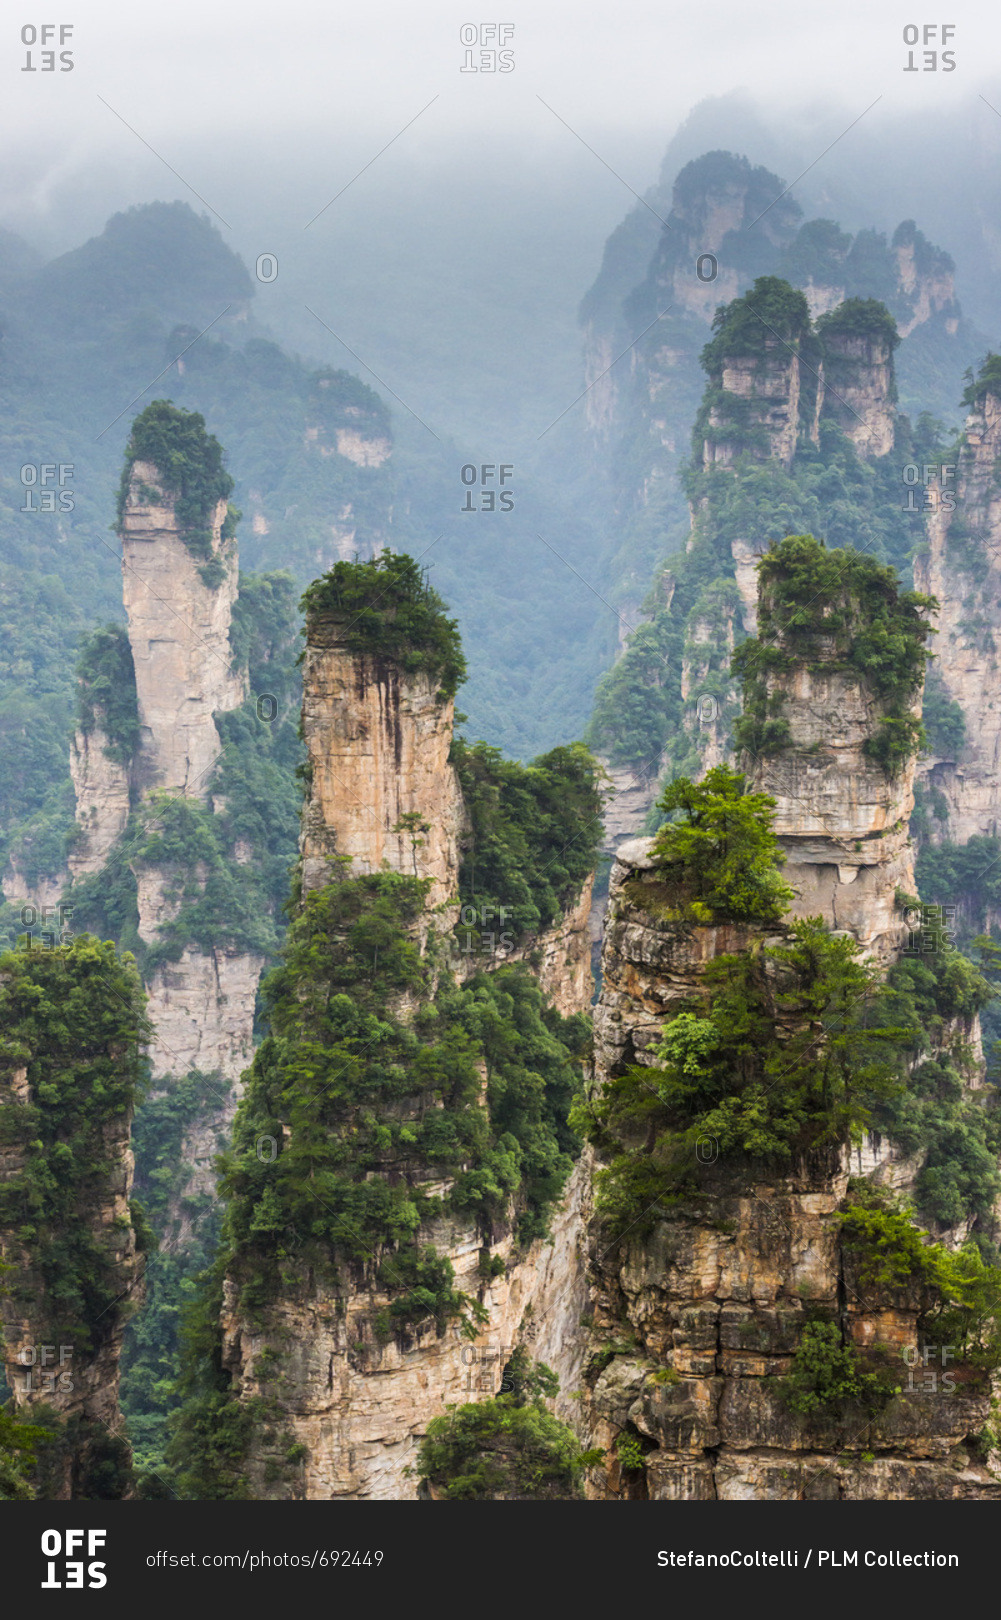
[349, 1373]
[699, 1305]
[709, 1264]
[179, 602]
[149, 738]
[822, 743]
[381, 790]
[857, 388]
[961, 567]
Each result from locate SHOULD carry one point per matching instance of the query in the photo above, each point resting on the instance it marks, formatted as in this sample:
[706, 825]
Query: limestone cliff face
[361, 1408]
[962, 569]
[202, 1011]
[926, 281]
[695, 1322]
[103, 801]
[179, 630]
[633, 791]
[842, 822]
[770, 387]
[378, 741]
[861, 400]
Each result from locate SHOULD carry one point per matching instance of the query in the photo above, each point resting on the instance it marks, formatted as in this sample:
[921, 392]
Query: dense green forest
[330, 481]
[74, 1025]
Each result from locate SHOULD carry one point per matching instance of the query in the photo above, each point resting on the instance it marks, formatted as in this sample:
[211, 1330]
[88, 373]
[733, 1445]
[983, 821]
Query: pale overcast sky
[335, 82]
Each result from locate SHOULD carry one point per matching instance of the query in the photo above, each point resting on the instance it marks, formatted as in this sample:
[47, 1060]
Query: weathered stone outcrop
[179, 631]
[769, 385]
[202, 1011]
[962, 569]
[632, 793]
[842, 821]
[925, 280]
[360, 1408]
[697, 1318]
[378, 741]
[202, 1008]
[103, 800]
[861, 400]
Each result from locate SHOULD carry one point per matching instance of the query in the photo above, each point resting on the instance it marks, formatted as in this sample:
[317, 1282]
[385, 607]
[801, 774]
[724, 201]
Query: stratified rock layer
[962, 569]
[101, 785]
[696, 1320]
[179, 631]
[360, 1408]
[378, 741]
[841, 820]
